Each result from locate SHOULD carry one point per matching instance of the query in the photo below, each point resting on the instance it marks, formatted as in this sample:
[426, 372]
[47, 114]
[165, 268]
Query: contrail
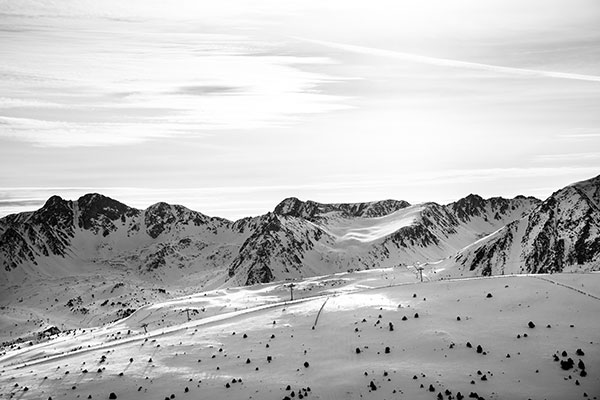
[444, 62]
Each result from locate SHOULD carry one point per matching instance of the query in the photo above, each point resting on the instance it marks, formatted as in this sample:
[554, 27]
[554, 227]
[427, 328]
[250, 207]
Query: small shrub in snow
[567, 365]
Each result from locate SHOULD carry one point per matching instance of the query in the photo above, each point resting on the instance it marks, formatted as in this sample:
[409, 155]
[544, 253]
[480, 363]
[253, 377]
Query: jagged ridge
[561, 233]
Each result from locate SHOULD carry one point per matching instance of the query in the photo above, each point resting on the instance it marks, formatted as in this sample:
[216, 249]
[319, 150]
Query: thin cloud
[444, 62]
[158, 85]
[204, 90]
[567, 157]
[20, 203]
[580, 134]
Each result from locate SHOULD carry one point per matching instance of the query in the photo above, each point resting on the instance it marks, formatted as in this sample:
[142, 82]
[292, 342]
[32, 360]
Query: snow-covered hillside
[94, 260]
[307, 238]
[363, 335]
[561, 234]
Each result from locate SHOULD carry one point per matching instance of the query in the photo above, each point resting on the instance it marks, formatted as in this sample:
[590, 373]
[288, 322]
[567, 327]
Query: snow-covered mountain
[560, 234]
[95, 260]
[174, 245]
[67, 237]
[169, 243]
[307, 238]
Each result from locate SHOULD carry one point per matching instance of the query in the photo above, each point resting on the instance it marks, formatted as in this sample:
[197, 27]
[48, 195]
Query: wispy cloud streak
[445, 62]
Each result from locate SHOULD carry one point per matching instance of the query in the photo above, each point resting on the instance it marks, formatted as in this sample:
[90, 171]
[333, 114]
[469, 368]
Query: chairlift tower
[291, 286]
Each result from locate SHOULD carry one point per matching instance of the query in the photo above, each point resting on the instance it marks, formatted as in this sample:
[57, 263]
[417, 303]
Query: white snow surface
[227, 327]
[371, 229]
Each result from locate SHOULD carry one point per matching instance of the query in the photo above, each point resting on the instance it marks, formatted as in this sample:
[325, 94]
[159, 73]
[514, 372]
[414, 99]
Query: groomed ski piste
[375, 334]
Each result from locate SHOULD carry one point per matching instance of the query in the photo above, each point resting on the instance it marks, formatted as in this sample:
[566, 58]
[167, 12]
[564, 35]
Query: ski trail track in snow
[568, 287]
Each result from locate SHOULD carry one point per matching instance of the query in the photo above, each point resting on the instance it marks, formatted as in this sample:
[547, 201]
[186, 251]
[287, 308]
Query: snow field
[431, 347]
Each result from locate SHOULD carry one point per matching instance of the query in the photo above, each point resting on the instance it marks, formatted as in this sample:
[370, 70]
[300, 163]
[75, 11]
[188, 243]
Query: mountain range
[95, 260]
[472, 236]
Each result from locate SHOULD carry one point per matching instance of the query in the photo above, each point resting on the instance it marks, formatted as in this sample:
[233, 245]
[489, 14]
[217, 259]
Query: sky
[229, 107]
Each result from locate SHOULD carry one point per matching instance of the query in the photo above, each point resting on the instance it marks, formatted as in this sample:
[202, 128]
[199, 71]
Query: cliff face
[562, 233]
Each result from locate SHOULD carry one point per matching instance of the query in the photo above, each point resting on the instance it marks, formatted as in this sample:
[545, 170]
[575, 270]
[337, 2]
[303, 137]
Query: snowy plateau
[103, 301]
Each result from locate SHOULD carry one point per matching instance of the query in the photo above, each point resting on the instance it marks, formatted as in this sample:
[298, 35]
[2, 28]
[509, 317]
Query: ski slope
[371, 229]
[251, 343]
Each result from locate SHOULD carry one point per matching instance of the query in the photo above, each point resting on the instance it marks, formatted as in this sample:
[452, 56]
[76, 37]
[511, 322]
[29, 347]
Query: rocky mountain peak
[98, 213]
[468, 207]
[310, 209]
[161, 217]
[53, 201]
[55, 212]
[591, 189]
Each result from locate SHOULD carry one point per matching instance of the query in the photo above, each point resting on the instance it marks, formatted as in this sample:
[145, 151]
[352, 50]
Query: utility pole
[420, 269]
[144, 325]
[187, 310]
